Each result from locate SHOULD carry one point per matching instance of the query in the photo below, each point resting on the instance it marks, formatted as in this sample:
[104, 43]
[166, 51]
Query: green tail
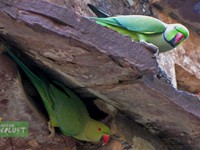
[34, 79]
[40, 84]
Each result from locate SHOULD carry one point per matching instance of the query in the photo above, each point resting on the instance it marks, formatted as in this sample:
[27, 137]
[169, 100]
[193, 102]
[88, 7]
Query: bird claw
[152, 48]
[52, 131]
[161, 75]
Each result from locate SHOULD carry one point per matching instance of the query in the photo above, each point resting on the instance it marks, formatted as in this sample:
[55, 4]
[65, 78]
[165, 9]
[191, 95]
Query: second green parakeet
[144, 29]
[66, 111]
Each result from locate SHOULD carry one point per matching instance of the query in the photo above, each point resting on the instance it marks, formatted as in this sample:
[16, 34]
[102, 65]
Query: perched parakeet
[66, 111]
[144, 29]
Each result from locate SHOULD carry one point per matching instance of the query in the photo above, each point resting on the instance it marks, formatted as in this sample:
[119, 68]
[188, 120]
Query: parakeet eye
[99, 129]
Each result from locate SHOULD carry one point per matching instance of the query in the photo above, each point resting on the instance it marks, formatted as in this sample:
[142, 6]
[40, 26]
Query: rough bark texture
[103, 64]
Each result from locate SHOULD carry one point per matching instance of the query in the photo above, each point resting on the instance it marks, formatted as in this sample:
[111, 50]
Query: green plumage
[135, 23]
[64, 108]
[144, 29]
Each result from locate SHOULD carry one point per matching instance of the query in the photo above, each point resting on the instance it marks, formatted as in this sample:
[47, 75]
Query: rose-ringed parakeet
[144, 29]
[65, 109]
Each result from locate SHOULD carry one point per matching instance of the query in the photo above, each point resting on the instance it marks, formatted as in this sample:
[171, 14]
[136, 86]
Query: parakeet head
[175, 34]
[97, 132]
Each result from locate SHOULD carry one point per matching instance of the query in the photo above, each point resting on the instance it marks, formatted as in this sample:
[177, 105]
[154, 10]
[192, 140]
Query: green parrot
[144, 29]
[66, 111]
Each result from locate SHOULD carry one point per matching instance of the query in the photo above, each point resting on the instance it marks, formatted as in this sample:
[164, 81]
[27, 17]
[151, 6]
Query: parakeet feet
[152, 48]
[51, 129]
[163, 76]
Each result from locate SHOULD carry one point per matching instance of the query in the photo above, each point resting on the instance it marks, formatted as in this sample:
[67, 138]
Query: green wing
[135, 23]
[69, 110]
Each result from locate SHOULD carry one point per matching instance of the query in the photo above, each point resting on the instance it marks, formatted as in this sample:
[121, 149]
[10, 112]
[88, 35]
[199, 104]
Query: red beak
[179, 36]
[105, 138]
